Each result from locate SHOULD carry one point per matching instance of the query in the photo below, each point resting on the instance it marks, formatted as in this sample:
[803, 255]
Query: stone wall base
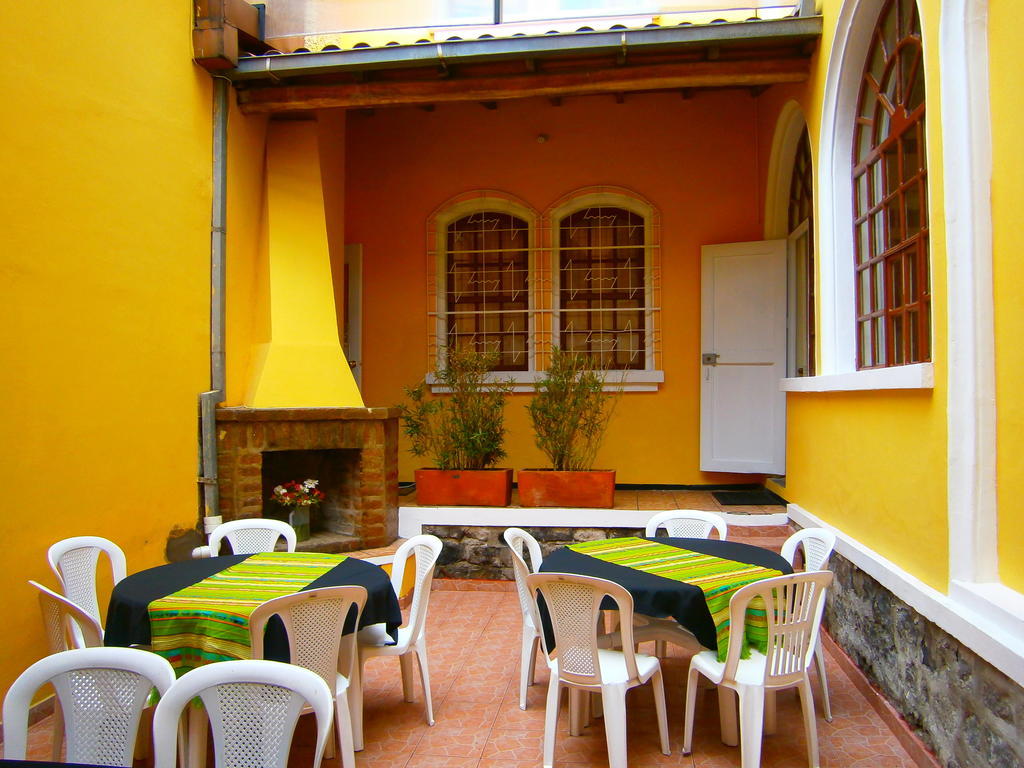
[964, 709]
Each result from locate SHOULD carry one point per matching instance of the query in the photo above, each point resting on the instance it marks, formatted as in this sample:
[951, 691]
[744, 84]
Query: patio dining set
[240, 645]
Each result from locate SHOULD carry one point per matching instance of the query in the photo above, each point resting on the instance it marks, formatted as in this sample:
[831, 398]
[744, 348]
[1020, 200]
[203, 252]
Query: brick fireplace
[353, 452]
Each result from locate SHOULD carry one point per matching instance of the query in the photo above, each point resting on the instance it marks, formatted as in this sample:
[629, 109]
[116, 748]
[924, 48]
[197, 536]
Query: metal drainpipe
[208, 401]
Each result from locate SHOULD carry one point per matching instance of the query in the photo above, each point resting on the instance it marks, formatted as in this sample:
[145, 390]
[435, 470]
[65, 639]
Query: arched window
[486, 285]
[602, 257]
[800, 220]
[890, 207]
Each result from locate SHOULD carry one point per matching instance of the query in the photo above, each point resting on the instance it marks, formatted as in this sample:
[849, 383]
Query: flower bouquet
[297, 497]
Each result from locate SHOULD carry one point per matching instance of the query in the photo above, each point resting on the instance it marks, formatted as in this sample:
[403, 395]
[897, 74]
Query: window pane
[486, 292]
[602, 291]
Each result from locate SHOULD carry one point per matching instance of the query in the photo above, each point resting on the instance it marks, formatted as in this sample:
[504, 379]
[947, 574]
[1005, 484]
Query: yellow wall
[1008, 243]
[105, 287]
[874, 463]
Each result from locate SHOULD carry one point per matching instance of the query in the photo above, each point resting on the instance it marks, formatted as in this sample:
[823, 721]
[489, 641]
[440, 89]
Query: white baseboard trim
[412, 519]
[982, 617]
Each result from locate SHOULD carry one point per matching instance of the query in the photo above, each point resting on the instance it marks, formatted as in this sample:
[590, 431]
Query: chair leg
[197, 727]
[751, 719]
[343, 730]
[770, 720]
[819, 658]
[578, 715]
[810, 727]
[405, 661]
[691, 706]
[329, 745]
[727, 716]
[526, 656]
[551, 719]
[421, 658]
[614, 699]
[532, 666]
[355, 704]
[58, 729]
[658, 687]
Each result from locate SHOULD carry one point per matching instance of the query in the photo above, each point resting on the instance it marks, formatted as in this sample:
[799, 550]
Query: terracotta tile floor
[473, 644]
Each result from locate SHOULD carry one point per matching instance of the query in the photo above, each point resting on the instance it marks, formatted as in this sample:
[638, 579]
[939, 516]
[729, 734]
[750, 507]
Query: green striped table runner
[718, 579]
[209, 621]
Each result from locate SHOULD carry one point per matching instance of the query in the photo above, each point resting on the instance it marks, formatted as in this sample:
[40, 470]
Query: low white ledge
[987, 618]
[917, 376]
[412, 519]
[523, 381]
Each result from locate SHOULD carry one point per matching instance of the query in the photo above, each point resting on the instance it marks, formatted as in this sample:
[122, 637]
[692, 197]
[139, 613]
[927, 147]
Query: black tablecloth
[660, 597]
[128, 613]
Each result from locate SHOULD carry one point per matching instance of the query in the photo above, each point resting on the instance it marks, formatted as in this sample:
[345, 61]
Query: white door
[353, 333]
[743, 345]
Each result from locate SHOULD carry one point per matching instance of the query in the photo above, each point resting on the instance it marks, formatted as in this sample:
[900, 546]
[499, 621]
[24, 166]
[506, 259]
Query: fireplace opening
[338, 473]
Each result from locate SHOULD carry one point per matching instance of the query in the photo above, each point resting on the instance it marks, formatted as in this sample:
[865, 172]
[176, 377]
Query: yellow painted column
[302, 363]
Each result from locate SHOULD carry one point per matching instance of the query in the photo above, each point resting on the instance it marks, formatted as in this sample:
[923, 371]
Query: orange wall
[698, 160]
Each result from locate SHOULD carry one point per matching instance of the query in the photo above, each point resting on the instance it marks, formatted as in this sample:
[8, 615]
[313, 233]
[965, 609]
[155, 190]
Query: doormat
[761, 497]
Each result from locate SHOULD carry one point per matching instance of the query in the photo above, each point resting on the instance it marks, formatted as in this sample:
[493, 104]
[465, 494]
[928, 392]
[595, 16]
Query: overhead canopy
[592, 59]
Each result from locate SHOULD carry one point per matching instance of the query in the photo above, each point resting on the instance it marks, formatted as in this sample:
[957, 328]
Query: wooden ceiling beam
[700, 74]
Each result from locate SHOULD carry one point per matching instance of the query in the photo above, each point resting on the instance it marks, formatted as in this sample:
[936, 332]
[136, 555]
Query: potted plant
[298, 498]
[570, 411]
[462, 433]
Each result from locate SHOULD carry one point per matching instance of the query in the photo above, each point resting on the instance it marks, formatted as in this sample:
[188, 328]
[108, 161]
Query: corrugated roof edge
[275, 65]
[404, 36]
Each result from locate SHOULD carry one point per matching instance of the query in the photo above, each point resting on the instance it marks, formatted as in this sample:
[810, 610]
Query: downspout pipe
[209, 400]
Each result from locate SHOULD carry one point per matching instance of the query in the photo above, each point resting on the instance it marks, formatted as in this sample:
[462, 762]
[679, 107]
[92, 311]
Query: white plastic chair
[67, 626]
[817, 544]
[252, 706]
[679, 523]
[251, 536]
[522, 544]
[101, 691]
[687, 523]
[574, 606]
[74, 562]
[412, 639]
[793, 607]
[314, 621]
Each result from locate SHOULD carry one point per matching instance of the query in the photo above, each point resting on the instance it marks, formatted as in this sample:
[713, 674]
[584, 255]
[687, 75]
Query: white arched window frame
[837, 361]
[650, 376]
[789, 129]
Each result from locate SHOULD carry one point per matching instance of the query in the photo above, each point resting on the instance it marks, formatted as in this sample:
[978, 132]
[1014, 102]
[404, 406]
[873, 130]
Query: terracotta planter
[548, 488]
[464, 487]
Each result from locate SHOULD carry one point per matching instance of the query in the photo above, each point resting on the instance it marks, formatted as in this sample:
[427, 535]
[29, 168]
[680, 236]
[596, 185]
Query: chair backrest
[252, 535]
[426, 549]
[67, 626]
[818, 544]
[793, 606]
[252, 705]
[573, 604]
[102, 692]
[526, 602]
[687, 523]
[314, 620]
[521, 543]
[74, 563]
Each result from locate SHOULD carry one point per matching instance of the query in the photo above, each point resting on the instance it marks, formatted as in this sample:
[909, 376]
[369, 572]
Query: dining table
[687, 580]
[196, 612]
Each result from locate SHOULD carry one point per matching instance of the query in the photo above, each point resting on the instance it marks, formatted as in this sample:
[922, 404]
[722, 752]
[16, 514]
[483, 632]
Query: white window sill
[522, 381]
[917, 376]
